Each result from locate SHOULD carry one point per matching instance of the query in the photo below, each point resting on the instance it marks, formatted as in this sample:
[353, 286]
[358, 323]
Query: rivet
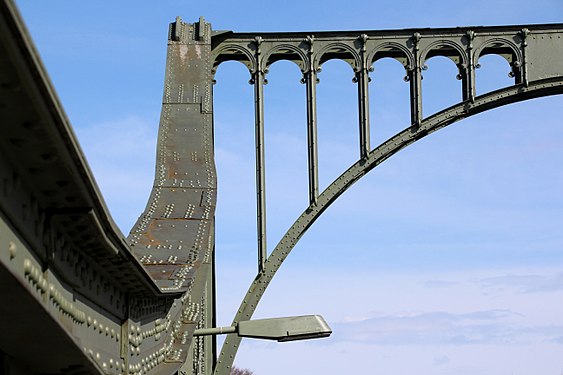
[12, 250]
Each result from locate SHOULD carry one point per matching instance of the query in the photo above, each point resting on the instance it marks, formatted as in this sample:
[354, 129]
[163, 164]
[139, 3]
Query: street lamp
[281, 329]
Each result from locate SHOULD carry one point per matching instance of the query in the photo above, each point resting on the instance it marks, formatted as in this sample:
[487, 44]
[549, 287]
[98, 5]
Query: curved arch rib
[404, 138]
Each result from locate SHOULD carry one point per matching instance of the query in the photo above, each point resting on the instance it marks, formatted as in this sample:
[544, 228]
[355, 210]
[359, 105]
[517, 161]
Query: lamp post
[290, 328]
[280, 329]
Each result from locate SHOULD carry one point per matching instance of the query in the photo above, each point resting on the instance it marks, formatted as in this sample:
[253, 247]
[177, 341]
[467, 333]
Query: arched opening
[440, 88]
[337, 108]
[506, 50]
[389, 100]
[493, 72]
[285, 126]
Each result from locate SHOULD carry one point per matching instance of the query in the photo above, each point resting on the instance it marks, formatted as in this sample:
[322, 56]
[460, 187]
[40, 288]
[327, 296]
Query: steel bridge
[86, 299]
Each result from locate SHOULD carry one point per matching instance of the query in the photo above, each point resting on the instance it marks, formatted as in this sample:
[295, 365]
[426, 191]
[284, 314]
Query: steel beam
[362, 78]
[258, 79]
[311, 80]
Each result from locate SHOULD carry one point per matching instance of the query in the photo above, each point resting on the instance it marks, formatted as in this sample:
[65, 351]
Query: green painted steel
[131, 306]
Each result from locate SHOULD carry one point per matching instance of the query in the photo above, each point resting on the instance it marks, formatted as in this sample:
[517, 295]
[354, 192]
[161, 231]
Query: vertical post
[312, 151]
[416, 96]
[363, 101]
[415, 79]
[311, 83]
[258, 80]
[468, 75]
[524, 68]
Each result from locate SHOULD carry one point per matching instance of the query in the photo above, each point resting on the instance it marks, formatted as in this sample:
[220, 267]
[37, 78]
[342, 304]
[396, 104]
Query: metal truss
[533, 52]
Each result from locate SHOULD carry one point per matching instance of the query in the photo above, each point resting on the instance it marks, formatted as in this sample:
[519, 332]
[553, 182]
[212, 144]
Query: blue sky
[450, 254]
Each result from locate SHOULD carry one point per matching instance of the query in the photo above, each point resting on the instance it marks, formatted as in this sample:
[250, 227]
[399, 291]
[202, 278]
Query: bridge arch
[387, 149]
[339, 51]
[287, 52]
[393, 50]
[506, 49]
[445, 48]
[493, 72]
[234, 52]
[442, 84]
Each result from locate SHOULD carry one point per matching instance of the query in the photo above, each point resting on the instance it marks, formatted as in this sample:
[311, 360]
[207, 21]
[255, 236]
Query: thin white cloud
[440, 328]
[440, 283]
[525, 283]
[438, 361]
